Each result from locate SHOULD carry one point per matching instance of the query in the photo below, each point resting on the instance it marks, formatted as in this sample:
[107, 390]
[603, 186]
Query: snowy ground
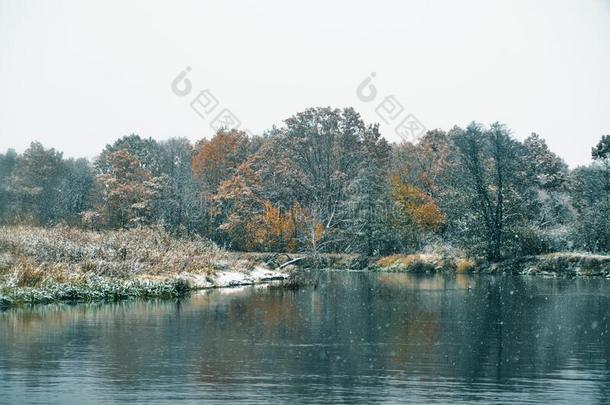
[232, 278]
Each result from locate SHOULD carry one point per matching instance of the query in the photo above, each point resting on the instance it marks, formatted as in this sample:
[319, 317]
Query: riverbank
[562, 264]
[63, 264]
[44, 265]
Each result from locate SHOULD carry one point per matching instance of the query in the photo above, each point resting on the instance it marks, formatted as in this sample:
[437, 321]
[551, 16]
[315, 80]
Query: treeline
[326, 181]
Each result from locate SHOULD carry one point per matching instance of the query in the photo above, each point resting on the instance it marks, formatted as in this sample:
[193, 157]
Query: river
[355, 337]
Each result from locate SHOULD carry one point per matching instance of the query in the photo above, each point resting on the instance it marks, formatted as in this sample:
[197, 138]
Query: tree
[601, 155]
[239, 205]
[177, 204]
[35, 183]
[77, 182]
[595, 201]
[549, 209]
[417, 215]
[326, 181]
[278, 230]
[425, 164]
[127, 190]
[548, 170]
[324, 145]
[325, 149]
[217, 160]
[490, 171]
[367, 210]
[280, 179]
[147, 151]
[8, 206]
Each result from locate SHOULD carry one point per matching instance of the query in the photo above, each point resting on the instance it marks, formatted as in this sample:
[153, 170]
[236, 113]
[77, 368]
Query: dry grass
[414, 262]
[404, 260]
[425, 263]
[463, 265]
[388, 261]
[42, 265]
[28, 275]
[31, 255]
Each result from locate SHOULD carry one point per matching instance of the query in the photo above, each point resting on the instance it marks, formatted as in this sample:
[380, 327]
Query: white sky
[76, 75]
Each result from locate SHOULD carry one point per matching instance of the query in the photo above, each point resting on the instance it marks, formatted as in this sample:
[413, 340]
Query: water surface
[356, 337]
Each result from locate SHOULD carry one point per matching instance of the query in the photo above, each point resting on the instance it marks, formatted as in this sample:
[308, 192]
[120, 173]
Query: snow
[233, 278]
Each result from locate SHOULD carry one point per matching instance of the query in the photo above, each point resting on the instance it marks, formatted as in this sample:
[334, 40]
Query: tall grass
[31, 255]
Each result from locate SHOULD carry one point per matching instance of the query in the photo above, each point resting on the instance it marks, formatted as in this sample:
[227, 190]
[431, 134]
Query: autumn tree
[217, 160]
[127, 190]
[278, 230]
[426, 163]
[325, 146]
[417, 213]
[238, 206]
[146, 150]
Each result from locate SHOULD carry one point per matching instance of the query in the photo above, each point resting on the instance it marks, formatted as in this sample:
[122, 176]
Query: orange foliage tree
[127, 190]
[278, 231]
[217, 160]
[250, 222]
[419, 213]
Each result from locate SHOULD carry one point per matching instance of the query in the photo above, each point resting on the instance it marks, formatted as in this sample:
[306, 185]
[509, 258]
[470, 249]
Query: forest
[326, 181]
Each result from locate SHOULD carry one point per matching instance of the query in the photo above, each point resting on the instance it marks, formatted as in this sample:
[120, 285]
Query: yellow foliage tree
[251, 222]
[277, 231]
[418, 206]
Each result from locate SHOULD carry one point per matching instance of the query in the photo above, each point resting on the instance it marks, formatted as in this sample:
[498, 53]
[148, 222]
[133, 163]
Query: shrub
[28, 275]
[464, 265]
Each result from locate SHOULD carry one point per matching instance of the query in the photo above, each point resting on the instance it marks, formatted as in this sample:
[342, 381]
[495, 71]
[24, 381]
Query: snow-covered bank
[99, 288]
[41, 265]
[233, 278]
[568, 264]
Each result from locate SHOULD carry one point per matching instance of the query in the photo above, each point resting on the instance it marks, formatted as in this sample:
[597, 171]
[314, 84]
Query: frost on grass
[61, 263]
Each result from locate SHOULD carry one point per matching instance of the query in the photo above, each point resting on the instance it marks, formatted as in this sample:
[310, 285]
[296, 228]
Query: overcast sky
[78, 75]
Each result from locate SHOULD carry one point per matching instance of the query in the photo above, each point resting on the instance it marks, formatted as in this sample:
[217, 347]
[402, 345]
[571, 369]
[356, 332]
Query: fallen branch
[291, 262]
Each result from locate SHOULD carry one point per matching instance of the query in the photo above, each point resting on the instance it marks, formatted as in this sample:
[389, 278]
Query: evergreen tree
[367, 211]
[8, 206]
[35, 182]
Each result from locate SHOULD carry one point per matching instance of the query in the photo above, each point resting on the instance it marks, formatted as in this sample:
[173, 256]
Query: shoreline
[558, 264]
[107, 289]
[45, 265]
[63, 264]
[93, 288]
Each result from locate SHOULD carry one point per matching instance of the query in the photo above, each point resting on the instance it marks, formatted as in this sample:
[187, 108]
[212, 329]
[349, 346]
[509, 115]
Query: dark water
[358, 337]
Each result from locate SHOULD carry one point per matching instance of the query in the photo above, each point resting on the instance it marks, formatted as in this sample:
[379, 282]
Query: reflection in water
[358, 337]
